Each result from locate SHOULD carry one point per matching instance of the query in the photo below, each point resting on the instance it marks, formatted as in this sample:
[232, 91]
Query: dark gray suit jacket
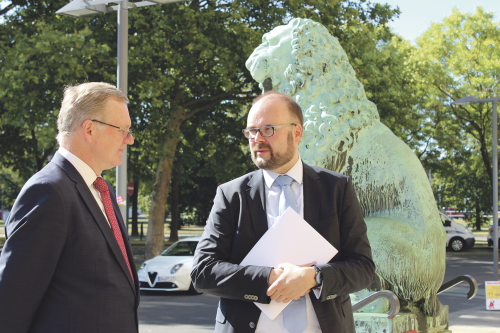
[238, 220]
[61, 269]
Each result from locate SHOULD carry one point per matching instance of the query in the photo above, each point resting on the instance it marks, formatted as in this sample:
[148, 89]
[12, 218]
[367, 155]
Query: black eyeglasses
[265, 131]
[127, 131]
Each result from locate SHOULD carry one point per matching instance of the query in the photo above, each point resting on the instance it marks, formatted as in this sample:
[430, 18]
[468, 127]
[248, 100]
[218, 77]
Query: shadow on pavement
[179, 308]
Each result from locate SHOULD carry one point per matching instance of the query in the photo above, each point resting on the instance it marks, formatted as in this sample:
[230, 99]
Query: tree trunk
[478, 217]
[135, 229]
[174, 224]
[486, 159]
[155, 239]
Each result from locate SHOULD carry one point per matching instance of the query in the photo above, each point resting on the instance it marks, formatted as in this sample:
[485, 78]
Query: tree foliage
[467, 188]
[184, 59]
[215, 152]
[10, 185]
[196, 60]
[38, 58]
[455, 58]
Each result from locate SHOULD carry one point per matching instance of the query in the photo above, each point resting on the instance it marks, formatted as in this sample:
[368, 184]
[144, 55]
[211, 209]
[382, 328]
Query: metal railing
[389, 295]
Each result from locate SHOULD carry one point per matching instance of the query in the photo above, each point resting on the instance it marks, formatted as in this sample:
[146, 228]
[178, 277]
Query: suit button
[252, 324]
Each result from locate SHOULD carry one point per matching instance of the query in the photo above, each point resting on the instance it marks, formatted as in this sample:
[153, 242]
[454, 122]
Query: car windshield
[181, 249]
[445, 221]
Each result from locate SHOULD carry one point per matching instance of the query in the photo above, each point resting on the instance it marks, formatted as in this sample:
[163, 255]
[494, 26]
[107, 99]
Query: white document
[290, 239]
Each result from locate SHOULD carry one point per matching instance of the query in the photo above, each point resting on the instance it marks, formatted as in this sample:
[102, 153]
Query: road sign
[120, 201]
[130, 188]
[492, 295]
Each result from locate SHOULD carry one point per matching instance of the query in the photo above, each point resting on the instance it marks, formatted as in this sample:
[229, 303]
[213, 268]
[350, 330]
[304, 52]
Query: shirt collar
[83, 168]
[296, 172]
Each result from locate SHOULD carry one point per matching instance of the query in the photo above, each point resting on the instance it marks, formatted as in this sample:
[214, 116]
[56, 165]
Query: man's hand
[273, 276]
[292, 283]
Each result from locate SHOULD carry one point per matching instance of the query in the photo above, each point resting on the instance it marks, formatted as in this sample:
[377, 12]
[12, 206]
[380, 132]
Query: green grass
[482, 232]
[187, 229]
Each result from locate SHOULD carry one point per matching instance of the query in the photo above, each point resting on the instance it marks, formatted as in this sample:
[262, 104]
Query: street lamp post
[468, 100]
[78, 8]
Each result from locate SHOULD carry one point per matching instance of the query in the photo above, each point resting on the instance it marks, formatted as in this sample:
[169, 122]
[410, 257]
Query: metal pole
[495, 190]
[121, 78]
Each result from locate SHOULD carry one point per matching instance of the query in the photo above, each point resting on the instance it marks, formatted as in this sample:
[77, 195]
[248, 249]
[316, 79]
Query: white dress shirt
[88, 176]
[273, 192]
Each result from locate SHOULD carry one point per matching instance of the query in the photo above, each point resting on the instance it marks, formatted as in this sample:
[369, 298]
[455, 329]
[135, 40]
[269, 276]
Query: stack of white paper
[290, 239]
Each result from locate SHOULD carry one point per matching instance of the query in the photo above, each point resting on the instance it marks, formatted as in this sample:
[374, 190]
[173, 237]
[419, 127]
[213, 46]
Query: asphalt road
[176, 312]
[182, 313]
[480, 267]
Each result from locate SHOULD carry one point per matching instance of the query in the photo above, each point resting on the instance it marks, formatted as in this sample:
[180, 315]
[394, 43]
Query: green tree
[452, 59]
[467, 190]
[10, 185]
[195, 59]
[200, 163]
[37, 59]
[183, 59]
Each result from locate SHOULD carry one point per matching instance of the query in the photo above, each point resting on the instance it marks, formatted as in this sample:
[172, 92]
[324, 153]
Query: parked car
[170, 271]
[490, 234]
[458, 236]
[4, 214]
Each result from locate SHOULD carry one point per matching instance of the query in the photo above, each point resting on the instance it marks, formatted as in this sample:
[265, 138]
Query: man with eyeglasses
[246, 207]
[67, 265]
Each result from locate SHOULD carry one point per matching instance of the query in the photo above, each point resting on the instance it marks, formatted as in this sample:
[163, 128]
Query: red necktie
[102, 187]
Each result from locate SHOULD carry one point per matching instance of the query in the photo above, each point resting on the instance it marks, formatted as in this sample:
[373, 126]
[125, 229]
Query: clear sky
[417, 15]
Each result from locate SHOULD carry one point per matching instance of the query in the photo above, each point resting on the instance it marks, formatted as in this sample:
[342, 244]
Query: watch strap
[318, 277]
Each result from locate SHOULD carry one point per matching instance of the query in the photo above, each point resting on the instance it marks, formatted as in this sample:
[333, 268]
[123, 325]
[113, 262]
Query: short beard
[277, 160]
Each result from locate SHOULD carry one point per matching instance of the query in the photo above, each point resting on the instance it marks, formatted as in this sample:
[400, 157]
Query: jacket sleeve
[36, 235]
[354, 270]
[213, 272]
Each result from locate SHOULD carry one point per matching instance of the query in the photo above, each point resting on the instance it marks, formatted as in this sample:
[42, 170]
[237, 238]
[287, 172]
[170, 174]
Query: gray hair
[82, 102]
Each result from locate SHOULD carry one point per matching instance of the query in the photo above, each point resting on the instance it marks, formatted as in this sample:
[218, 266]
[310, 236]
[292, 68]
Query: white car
[490, 234]
[170, 271]
[458, 237]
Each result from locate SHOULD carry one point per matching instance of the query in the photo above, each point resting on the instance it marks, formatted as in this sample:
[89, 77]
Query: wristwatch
[318, 277]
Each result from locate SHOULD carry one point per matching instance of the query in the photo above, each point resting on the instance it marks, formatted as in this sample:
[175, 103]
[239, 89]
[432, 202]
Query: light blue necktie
[294, 315]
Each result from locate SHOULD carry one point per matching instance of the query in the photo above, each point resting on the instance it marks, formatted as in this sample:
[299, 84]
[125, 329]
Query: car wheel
[457, 244]
[193, 291]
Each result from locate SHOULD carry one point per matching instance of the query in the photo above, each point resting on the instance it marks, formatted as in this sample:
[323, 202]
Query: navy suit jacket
[238, 220]
[61, 269]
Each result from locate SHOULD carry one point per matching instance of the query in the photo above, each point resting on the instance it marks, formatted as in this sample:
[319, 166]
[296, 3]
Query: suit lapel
[312, 190]
[256, 198]
[96, 211]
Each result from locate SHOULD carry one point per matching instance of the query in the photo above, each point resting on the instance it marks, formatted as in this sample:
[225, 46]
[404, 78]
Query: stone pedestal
[402, 323]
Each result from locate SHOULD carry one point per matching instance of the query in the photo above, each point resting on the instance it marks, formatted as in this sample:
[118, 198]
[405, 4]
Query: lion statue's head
[303, 60]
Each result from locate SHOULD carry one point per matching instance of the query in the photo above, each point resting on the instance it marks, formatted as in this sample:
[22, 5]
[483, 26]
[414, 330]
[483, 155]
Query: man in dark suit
[246, 207]
[67, 265]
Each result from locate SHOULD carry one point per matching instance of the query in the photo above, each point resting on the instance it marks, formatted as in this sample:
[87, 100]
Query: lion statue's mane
[343, 133]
